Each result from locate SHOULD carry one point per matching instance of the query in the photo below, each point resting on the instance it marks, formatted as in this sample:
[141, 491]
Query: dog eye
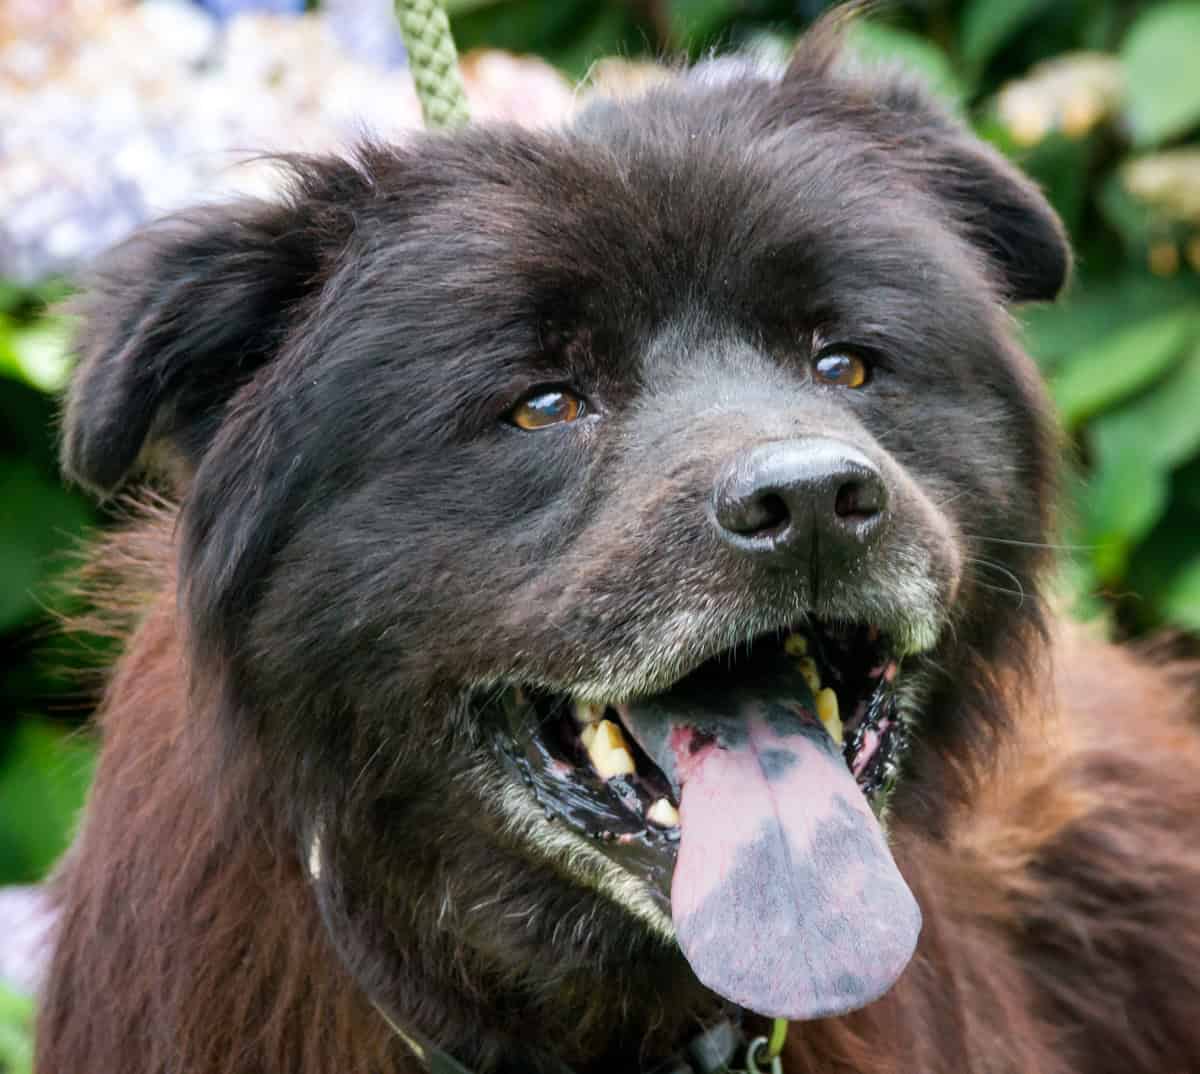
[841, 369]
[545, 408]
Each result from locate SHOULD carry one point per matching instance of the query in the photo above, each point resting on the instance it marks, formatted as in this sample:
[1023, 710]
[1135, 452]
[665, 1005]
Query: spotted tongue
[785, 897]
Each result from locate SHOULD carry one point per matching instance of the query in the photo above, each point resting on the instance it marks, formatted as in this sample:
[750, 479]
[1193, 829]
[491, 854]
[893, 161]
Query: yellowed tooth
[808, 668]
[587, 735]
[587, 712]
[827, 713]
[795, 645]
[662, 813]
[608, 751]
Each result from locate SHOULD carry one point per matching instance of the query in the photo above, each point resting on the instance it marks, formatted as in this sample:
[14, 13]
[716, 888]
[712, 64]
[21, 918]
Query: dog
[605, 610]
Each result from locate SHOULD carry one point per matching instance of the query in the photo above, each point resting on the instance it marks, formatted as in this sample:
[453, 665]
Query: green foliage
[44, 766]
[35, 353]
[1159, 55]
[39, 521]
[45, 774]
[987, 25]
[1183, 598]
[16, 1032]
[1102, 374]
[1098, 99]
[877, 42]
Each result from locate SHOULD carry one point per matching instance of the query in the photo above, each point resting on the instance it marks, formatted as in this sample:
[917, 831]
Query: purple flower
[225, 9]
[367, 29]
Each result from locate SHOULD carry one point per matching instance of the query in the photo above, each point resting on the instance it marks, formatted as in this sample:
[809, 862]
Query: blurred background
[115, 111]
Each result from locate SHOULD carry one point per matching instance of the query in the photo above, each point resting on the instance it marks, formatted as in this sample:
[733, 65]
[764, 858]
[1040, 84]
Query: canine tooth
[795, 645]
[587, 735]
[609, 752]
[827, 713]
[587, 712]
[808, 668]
[662, 813]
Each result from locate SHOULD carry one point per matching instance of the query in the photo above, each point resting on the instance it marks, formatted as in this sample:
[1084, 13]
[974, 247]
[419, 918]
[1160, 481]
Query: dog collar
[716, 1049]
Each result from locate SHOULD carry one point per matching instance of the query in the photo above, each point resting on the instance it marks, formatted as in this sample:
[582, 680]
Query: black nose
[794, 499]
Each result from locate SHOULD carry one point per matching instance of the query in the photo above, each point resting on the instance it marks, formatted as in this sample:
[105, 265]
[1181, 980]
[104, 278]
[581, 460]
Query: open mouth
[587, 767]
[742, 796]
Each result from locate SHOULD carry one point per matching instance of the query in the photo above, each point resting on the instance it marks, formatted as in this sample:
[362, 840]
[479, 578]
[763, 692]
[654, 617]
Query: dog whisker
[1032, 544]
[1016, 590]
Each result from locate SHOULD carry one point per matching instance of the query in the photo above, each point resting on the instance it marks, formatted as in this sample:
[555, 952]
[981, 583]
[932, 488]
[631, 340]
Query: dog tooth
[587, 712]
[808, 668]
[827, 712]
[587, 735]
[663, 813]
[609, 752]
[795, 645]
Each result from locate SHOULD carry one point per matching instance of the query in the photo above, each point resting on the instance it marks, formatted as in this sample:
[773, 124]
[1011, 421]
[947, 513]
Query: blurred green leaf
[37, 354]
[11, 296]
[875, 42]
[44, 775]
[1134, 221]
[1096, 309]
[697, 21]
[1188, 492]
[1182, 603]
[1161, 425]
[1161, 56]
[39, 519]
[460, 7]
[1125, 497]
[987, 24]
[1103, 373]
[1154, 564]
[16, 1032]
[572, 34]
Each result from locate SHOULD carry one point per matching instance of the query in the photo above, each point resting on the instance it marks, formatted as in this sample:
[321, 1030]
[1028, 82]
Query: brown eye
[544, 409]
[841, 370]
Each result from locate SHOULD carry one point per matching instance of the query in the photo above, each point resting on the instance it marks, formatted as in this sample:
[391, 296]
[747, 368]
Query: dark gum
[541, 747]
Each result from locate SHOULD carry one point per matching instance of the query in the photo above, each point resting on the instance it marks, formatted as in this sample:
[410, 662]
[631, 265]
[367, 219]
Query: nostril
[773, 513]
[857, 502]
[760, 514]
[789, 501]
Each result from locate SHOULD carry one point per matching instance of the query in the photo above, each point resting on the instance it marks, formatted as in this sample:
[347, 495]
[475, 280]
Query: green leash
[434, 62]
[763, 1055]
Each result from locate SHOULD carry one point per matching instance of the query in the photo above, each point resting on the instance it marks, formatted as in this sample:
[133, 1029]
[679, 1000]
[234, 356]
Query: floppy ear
[183, 314]
[998, 208]
[1001, 211]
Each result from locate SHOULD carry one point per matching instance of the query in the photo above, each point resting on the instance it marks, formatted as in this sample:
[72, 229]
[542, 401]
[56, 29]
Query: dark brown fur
[363, 543]
[1061, 920]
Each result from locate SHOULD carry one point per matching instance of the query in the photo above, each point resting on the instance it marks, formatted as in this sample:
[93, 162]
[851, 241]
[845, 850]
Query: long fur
[1061, 919]
[363, 550]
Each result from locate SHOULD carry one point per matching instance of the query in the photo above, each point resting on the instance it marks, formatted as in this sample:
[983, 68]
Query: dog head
[537, 486]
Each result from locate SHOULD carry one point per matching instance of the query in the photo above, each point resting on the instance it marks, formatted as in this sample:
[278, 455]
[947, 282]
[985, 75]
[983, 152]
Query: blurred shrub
[1098, 99]
[43, 766]
[16, 1032]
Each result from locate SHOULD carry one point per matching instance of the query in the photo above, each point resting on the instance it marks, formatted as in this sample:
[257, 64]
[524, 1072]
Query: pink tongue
[785, 897]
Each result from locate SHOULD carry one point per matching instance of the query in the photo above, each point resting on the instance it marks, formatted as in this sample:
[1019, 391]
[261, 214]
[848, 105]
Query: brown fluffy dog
[480, 439]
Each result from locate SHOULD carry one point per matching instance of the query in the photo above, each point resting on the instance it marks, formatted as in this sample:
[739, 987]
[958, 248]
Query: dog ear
[1001, 211]
[182, 315]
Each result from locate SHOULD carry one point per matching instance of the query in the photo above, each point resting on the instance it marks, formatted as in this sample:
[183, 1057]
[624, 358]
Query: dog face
[539, 488]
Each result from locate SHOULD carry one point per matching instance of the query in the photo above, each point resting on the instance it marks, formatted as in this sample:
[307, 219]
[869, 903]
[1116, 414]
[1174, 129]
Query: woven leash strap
[433, 61]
